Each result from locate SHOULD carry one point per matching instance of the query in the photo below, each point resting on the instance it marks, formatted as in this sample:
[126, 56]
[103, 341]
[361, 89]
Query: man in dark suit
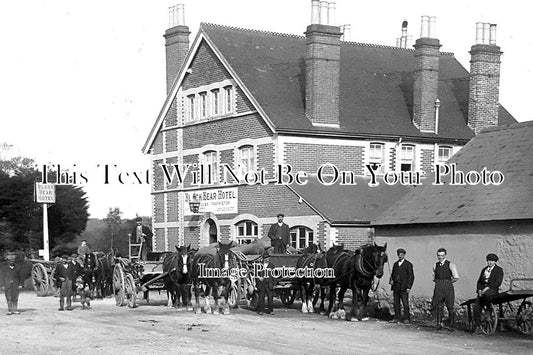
[142, 233]
[279, 235]
[12, 279]
[488, 285]
[401, 280]
[265, 285]
[65, 274]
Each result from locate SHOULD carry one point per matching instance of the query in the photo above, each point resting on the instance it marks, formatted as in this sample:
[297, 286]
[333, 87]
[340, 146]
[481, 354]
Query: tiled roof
[354, 204]
[376, 84]
[508, 149]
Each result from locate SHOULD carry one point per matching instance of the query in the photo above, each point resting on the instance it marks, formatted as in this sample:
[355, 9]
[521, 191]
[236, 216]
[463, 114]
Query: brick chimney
[176, 42]
[484, 91]
[426, 76]
[322, 65]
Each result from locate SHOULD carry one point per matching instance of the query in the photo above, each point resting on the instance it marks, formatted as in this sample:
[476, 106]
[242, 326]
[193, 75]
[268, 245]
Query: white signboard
[45, 193]
[217, 201]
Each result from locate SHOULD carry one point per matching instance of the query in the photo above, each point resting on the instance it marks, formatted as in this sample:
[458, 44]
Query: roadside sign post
[45, 194]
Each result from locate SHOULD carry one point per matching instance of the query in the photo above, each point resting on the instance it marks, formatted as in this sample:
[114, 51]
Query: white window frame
[246, 159]
[229, 103]
[210, 158]
[374, 160]
[191, 105]
[440, 160]
[403, 159]
[215, 102]
[203, 105]
[250, 231]
[296, 237]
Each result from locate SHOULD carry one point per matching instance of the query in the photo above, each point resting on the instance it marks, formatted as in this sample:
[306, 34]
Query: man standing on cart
[142, 234]
[487, 287]
[279, 235]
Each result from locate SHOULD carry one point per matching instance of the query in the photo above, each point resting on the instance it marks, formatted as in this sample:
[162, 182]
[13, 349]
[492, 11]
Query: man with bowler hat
[64, 277]
[401, 280]
[488, 285]
[12, 279]
[279, 235]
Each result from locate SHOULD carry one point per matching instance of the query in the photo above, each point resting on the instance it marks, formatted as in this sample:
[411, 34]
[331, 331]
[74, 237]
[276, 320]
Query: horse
[213, 271]
[178, 265]
[93, 274]
[319, 260]
[357, 273]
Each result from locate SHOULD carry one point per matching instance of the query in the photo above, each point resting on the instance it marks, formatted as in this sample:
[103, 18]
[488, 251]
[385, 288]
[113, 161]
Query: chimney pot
[346, 32]
[479, 32]
[432, 27]
[486, 33]
[315, 12]
[492, 40]
[323, 12]
[331, 13]
[424, 27]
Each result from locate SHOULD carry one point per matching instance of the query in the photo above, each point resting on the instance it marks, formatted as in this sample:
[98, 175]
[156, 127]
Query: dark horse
[360, 268]
[93, 274]
[178, 265]
[330, 260]
[213, 271]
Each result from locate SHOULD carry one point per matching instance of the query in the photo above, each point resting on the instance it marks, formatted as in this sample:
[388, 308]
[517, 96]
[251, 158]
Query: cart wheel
[524, 318]
[39, 275]
[119, 285]
[489, 320]
[130, 291]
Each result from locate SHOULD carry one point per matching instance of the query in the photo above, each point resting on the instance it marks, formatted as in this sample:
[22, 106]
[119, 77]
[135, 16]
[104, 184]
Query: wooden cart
[132, 276]
[507, 312]
[42, 275]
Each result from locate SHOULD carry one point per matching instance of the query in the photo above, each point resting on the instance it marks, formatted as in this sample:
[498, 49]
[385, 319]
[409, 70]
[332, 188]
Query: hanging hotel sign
[217, 201]
[45, 193]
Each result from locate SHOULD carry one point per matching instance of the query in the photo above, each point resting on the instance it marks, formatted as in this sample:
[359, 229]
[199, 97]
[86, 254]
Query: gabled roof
[376, 84]
[349, 204]
[508, 149]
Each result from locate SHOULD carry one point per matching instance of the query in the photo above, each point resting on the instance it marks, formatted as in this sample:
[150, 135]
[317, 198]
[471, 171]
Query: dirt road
[155, 329]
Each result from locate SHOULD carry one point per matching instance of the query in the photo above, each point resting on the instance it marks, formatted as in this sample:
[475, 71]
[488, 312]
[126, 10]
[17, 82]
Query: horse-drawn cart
[132, 276]
[42, 275]
[507, 312]
[285, 288]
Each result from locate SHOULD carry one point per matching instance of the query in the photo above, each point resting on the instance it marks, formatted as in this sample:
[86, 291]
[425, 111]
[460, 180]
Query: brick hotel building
[255, 99]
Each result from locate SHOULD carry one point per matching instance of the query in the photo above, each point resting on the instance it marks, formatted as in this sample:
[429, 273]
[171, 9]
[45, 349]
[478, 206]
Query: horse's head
[376, 256]
[184, 259]
[225, 256]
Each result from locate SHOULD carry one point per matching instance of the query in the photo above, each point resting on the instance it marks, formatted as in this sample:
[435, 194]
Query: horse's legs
[303, 293]
[226, 308]
[207, 297]
[310, 292]
[216, 296]
[341, 312]
[196, 286]
[332, 298]
[321, 309]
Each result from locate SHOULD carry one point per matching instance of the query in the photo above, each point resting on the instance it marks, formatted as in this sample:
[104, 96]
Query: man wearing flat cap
[279, 235]
[401, 279]
[488, 285]
[141, 233]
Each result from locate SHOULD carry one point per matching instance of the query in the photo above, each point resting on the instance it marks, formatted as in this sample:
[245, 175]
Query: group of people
[445, 274]
[68, 279]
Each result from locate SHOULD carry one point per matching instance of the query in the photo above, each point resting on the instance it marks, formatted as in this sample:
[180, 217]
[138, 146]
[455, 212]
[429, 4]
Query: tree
[21, 217]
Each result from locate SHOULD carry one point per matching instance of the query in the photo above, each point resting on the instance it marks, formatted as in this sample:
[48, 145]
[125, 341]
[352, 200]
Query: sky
[82, 82]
